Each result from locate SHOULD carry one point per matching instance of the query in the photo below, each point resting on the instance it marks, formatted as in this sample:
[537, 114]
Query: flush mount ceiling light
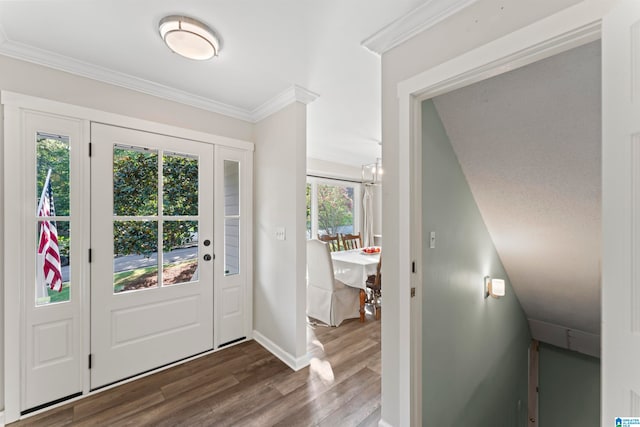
[189, 37]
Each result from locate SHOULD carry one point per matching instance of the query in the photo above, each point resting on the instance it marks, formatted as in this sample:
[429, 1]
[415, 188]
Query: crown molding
[292, 94]
[70, 65]
[416, 21]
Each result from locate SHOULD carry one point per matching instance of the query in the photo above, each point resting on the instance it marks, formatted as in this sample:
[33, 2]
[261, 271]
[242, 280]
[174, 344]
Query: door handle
[207, 257]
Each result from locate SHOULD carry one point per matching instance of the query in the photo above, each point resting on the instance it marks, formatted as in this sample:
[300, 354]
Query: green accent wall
[569, 388]
[474, 350]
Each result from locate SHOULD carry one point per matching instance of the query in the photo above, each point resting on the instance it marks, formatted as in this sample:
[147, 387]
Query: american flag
[48, 242]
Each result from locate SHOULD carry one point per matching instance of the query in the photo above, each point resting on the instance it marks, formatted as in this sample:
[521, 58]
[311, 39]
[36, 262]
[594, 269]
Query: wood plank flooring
[245, 385]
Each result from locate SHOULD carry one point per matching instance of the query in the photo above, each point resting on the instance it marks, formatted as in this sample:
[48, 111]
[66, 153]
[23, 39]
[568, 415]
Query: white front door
[151, 250]
[621, 212]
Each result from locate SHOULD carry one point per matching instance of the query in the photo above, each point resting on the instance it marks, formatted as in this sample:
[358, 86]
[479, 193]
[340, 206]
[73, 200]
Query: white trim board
[294, 363]
[67, 64]
[564, 30]
[412, 23]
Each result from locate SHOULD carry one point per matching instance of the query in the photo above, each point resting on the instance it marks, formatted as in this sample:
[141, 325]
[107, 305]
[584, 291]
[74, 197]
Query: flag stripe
[48, 243]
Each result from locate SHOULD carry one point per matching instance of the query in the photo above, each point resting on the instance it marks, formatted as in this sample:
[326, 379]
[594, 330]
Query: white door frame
[14, 103]
[557, 33]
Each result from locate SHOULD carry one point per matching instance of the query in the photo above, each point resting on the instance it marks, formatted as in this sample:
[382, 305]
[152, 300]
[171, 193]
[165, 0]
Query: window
[52, 218]
[149, 216]
[333, 207]
[231, 217]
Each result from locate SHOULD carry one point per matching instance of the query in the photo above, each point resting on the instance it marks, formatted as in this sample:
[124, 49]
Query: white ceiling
[529, 144]
[267, 46]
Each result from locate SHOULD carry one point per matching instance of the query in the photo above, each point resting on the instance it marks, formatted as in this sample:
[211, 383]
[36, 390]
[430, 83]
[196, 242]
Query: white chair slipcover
[328, 300]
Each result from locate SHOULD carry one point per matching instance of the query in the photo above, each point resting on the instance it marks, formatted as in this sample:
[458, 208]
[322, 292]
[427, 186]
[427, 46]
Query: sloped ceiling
[529, 144]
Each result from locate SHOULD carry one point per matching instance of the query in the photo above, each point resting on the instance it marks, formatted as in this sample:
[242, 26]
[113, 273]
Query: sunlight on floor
[322, 369]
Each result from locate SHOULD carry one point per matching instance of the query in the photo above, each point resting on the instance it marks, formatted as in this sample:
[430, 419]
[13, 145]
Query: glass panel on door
[52, 219]
[231, 217]
[147, 224]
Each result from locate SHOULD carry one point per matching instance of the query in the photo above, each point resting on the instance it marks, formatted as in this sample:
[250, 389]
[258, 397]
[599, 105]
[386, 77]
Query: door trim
[572, 27]
[14, 104]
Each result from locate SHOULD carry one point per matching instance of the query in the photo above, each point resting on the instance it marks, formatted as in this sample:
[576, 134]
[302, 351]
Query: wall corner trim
[414, 22]
[292, 94]
[294, 363]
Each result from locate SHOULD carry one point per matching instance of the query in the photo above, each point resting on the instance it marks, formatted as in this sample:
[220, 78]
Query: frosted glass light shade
[497, 288]
[189, 37]
[494, 287]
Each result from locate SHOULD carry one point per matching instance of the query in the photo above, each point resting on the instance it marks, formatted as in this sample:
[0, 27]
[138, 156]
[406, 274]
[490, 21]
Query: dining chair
[374, 289]
[351, 241]
[333, 241]
[328, 299]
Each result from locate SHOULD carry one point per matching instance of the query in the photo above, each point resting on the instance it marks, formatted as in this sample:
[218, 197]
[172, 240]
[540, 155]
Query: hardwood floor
[245, 385]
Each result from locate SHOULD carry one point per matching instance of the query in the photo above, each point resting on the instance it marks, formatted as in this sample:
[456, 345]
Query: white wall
[476, 359]
[35, 80]
[280, 266]
[480, 23]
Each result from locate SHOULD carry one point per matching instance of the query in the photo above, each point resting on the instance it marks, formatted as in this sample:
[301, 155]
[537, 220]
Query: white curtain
[367, 207]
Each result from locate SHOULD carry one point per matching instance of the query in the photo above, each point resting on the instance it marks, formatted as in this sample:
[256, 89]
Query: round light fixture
[188, 37]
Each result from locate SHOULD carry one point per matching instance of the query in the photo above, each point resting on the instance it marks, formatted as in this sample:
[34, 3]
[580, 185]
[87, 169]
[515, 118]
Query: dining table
[352, 268]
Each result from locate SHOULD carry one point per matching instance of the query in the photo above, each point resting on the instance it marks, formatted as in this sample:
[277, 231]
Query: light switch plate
[281, 233]
[432, 240]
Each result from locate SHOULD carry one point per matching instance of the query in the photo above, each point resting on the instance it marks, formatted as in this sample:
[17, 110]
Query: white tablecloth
[353, 267]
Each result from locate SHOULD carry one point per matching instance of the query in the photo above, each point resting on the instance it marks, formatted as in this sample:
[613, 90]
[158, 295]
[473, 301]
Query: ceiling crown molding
[84, 69]
[416, 21]
[70, 65]
[292, 94]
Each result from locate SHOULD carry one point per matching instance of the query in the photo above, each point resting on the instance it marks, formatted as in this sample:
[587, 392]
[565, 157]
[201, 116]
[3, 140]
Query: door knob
[207, 257]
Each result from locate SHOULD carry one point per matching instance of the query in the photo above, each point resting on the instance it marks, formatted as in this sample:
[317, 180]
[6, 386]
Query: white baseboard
[1, 418]
[383, 423]
[294, 363]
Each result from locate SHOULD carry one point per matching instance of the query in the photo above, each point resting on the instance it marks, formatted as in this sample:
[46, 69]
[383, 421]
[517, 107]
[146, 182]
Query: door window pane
[231, 246]
[135, 262]
[180, 252]
[52, 214]
[232, 217]
[180, 184]
[231, 188]
[135, 181]
[52, 160]
[52, 262]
